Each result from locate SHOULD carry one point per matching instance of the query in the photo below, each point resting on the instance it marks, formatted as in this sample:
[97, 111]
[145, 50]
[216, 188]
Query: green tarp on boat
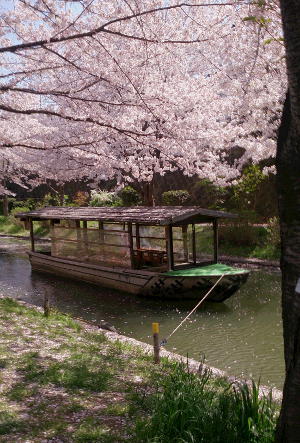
[209, 270]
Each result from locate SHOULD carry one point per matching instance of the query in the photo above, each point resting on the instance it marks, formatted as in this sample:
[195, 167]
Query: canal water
[242, 336]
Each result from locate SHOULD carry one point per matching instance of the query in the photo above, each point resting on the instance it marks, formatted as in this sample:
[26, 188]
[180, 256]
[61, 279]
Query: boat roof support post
[31, 234]
[85, 237]
[194, 244]
[169, 242]
[185, 243]
[216, 240]
[130, 242]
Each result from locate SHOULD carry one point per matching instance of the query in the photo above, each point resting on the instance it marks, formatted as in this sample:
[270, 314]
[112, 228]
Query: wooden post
[169, 241]
[139, 255]
[101, 234]
[78, 232]
[137, 236]
[31, 234]
[46, 304]
[194, 244]
[155, 332]
[85, 236]
[216, 242]
[185, 244]
[130, 241]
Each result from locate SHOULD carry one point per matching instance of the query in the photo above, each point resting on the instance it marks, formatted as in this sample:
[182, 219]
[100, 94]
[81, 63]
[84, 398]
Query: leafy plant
[81, 198]
[175, 198]
[129, 196]
[187, 407]
[273, 231]
[103, 198]
[208, 195]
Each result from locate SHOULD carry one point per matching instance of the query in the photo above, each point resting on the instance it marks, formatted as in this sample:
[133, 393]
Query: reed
[187, 407]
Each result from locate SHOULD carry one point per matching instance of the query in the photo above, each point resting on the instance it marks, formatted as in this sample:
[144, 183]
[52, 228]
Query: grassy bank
[61, 381]
[13, 226]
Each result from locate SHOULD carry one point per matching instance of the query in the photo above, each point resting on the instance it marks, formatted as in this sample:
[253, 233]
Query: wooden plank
[65, 272]
[107, 231]
[91, 265]
[108, 274]
[81, 241]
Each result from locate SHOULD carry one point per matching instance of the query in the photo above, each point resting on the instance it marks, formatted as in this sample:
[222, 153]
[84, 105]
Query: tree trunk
[288, 168]
[288, 173]
[148, 193]
[5, 206]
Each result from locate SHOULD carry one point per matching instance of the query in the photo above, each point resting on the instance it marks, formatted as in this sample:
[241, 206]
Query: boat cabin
[158, 239]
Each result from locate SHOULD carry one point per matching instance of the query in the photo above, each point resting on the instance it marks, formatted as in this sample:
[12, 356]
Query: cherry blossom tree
[144, 89]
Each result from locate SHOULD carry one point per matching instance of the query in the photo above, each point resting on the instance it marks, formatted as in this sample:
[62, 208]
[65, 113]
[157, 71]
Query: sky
[6, 5]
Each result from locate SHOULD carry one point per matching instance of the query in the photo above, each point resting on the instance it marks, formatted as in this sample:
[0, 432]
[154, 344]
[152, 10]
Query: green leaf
[250, 18]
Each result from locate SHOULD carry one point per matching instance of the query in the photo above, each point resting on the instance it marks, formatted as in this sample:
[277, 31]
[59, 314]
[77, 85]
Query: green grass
[13, 226]
[9, 422]
[91, 431]
[186, 407]
[73, 384]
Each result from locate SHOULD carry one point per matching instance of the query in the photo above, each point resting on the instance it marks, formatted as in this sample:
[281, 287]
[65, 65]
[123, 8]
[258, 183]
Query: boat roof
[157, 215]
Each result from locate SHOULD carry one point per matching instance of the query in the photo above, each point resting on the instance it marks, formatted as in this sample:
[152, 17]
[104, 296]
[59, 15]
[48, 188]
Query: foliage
[187, 407]
[129, 196]
[50, 200]
[241, 234]
[19, 209]
[81, 198]
[208, 195]
[175, 198]
[273, 231]
[104, 198]
[255, 192]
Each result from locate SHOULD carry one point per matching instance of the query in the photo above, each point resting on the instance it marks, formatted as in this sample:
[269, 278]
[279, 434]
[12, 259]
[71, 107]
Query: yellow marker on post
[155, 331]
[155, 328]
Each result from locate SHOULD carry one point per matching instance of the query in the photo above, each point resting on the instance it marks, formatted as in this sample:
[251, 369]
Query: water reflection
[242, 335]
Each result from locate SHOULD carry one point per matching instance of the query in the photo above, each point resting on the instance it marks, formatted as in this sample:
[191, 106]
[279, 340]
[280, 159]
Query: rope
[165, 340]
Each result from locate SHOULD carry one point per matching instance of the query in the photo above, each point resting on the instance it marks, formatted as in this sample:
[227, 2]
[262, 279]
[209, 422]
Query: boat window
[108, 246]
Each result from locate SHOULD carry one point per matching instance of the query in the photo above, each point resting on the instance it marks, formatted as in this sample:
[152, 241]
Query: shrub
[19, 209]
[242, 232]
[104, 198]
[129, 196]
[50, 200]
[175, 198]
[81, 198]
[206, 194]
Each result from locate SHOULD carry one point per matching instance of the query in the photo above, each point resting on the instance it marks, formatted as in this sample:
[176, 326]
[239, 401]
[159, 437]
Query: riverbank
[64, 380]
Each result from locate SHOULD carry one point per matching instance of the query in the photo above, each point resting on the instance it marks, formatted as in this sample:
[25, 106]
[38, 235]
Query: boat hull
[140, 282]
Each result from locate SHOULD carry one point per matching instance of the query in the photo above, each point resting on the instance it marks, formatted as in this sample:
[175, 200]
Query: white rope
[164, 341]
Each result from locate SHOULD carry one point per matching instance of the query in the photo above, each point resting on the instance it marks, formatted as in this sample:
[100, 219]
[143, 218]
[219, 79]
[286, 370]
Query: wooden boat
[158, 252]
